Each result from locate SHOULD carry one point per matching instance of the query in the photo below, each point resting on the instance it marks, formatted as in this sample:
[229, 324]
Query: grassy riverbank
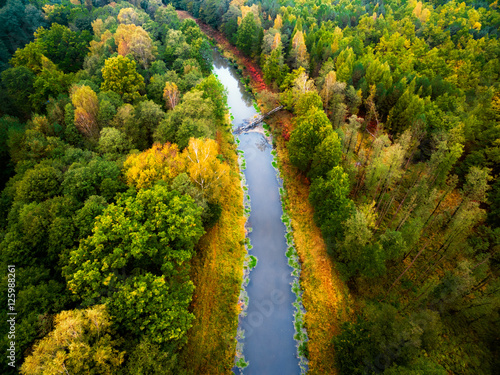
[217, 271]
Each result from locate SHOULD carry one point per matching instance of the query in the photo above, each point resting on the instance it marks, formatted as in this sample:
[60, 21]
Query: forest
[115, 146]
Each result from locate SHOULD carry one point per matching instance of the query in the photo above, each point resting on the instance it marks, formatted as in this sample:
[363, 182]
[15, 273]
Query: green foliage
[214, 90]
[38, 184]
[332, 206]
[120, 75]
[311, 129]
[193, 117]
[83, 180]
[64, 47]
[113, 141]
[247, 35]
[148, 358]
[132, 263]
[18, 83]
[148, 115]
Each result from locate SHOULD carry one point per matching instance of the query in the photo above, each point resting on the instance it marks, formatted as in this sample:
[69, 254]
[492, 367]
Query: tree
[148, 358]
[214, 90]
[159, 163]
[83, 180]
[19, 82]
[345, 64]
[193, 117]
[120, 75]
[327, 89]
[129, 16]
[136, 41]
[30, 56]
[299, 51]
[247, 35]
[167, 17]
[148, 116]
[327, 155]
[64, 47]
[310, 130]
[275, 69]
[113, 141]
[407, 110]
[38, 184]
[207, 172]
[81, 342]
[331, 205]
[171, 94]
[133, 263]
[86, 110]
[50, 83]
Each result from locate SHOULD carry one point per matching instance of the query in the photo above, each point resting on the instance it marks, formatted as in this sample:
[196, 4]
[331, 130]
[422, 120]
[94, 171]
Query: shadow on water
[268, 343]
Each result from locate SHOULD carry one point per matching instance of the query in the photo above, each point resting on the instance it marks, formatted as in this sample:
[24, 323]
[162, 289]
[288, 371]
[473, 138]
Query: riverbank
[216, 271]
[325, 297]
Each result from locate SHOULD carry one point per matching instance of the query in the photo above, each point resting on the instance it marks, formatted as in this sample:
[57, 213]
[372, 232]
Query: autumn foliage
[86, 108]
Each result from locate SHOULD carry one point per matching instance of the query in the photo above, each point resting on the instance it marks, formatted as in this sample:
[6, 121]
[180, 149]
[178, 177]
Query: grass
[217, 271]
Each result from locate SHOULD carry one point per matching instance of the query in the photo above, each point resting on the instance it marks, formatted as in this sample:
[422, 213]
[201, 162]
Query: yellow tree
[327, 90]
[79, 344]
[299, 51]
[171, 94]
[276, 41]
[128, 16]
[205, 169]
[278, 22]
[120, 75]
[135, 40]
[86, 109]
[160, 162]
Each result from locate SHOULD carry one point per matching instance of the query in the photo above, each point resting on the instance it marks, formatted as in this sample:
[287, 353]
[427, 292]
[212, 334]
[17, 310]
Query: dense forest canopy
[111, 171]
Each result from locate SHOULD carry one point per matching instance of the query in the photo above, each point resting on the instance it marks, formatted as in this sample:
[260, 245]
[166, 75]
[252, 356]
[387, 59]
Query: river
[268, 344]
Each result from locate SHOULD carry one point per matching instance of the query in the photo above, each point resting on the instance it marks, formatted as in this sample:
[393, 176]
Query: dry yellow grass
[217, 271]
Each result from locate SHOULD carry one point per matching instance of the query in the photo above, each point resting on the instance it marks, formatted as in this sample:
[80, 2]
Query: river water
[268, 343]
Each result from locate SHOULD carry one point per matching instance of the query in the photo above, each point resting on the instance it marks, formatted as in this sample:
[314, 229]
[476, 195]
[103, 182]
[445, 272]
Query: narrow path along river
[268, 343]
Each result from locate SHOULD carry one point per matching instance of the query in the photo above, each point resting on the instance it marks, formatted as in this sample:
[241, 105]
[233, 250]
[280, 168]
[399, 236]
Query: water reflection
[238, 99]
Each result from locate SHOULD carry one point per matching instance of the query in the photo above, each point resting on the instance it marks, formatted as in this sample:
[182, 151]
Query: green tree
[19, 82]
[332, 206]
[132, 262]
[39, 183]
[64, 47]
[120, 75]
[247, 35]
[148, 358]
[193, 117]
[345, 65]
[148, 116]
[407, 110]
[214, 90]
[327, 155]
[311, 129]
[275, 69]
[112, 141]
